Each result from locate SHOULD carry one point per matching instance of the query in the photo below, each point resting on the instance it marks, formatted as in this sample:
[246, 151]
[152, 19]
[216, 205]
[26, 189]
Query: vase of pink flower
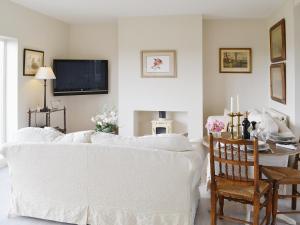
[215, 127]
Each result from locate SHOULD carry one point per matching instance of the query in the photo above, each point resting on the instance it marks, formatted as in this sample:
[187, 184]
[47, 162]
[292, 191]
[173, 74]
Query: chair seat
[283, 175]
[240, 190]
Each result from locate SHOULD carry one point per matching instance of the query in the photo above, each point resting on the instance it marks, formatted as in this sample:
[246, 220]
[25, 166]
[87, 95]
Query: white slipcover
[103, 185]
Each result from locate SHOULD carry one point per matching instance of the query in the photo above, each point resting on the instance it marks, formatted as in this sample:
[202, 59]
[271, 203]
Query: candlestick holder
[231, 115]
[239, 115]
[238, 125]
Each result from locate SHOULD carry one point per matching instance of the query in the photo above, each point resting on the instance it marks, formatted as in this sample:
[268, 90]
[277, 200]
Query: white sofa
[84, 183]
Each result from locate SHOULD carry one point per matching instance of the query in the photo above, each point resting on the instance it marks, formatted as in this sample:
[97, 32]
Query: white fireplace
[162, 126]
[146, 122]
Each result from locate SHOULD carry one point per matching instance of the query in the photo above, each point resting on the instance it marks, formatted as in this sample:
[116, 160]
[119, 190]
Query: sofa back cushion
[169, 142]
[76, 137]
[37, 135]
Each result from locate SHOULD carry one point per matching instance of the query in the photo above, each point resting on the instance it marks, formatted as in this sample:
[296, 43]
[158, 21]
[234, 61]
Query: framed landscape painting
[235, 60]
[278, 82]
[32, 61]
[278, 42]
[158, 63]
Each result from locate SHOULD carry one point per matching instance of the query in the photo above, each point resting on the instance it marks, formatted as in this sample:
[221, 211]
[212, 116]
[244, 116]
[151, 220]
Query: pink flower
[215, 126]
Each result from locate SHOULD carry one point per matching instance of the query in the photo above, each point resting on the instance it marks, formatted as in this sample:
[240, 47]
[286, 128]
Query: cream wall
[287, 12]
[180, 33]
[251, 88]
[95, 41]
[35, 31]
[121, 44]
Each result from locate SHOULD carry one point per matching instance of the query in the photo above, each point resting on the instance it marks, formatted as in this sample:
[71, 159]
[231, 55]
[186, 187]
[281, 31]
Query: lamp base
[45, 109]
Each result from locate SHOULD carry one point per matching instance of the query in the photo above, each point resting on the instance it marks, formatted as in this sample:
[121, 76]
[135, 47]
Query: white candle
[231, 104]
[237, 103]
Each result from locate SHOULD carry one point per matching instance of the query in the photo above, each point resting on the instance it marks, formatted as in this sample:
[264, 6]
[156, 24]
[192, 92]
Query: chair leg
[221, 206]
[274, 203]
[213, 207]
[269, 207]
[294, 200]
[256, 210]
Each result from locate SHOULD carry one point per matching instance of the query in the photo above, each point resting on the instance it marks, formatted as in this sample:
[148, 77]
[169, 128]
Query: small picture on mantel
[158, 63]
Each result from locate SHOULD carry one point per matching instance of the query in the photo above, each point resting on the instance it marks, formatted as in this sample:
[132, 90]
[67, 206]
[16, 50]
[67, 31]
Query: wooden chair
[232, 181]
[283, 176]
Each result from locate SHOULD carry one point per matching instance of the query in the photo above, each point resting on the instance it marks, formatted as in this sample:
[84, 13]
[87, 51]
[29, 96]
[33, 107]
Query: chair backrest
[232, 161]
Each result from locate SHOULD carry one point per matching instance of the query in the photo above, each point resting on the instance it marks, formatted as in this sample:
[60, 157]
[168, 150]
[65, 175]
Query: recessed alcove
[143, 119]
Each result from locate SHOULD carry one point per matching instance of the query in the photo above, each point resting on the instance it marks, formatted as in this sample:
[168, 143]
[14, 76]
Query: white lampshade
[45, 73]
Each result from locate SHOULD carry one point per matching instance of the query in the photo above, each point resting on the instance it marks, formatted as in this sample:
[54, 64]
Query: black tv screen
[80, 77]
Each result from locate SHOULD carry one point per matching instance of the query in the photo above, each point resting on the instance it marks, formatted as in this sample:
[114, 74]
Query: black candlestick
[246, 124]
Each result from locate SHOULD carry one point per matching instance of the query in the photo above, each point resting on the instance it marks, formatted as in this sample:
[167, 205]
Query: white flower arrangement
[107, 121]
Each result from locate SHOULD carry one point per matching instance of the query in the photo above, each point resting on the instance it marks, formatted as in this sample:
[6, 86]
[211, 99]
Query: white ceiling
[92, 11]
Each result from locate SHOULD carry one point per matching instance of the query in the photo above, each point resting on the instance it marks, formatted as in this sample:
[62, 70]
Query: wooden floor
[202, 217]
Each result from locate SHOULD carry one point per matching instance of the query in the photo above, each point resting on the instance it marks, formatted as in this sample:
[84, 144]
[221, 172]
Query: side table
[48, 118]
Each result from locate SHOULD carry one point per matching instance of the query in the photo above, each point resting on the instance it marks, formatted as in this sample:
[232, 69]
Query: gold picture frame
[158, 64]
[278, 42]
[32, 61]
[278, 82]
[235, 60]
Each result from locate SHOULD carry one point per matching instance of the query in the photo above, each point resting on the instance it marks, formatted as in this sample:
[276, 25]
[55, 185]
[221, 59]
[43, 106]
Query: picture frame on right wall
[278, 82]
[278, 42]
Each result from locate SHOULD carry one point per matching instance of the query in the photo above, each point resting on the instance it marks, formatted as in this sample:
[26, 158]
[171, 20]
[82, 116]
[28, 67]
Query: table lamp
[45, 73]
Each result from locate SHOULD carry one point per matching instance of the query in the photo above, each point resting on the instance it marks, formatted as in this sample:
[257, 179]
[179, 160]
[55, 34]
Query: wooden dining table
[274, 152]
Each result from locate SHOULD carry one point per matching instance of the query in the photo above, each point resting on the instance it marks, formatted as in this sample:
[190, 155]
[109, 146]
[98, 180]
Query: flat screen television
[80, 77]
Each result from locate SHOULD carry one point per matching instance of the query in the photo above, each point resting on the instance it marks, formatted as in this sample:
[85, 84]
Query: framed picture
[32, 61]
[235, 60]
[158, 63]
[278, 42]
[278, 82]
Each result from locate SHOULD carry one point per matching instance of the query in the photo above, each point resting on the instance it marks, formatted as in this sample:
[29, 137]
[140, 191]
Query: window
[8, 88]
[2, 92]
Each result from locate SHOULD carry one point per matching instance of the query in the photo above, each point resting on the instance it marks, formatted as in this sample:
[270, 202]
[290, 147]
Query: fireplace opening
[161, 130]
